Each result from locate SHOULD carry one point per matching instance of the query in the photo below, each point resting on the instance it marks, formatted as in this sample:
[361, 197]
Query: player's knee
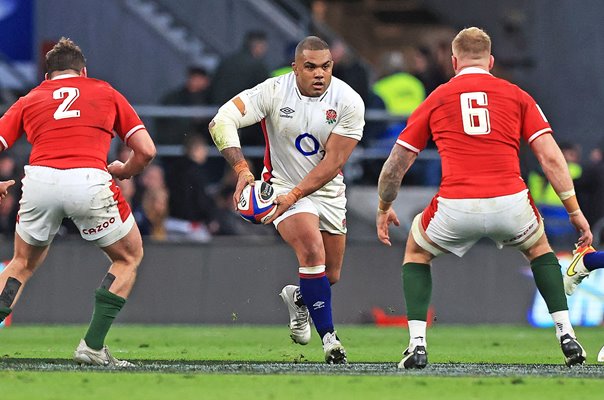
[538, 249]
[135, 257]
[138, 255]
[312, 254]
[130, 257]
[23, 267]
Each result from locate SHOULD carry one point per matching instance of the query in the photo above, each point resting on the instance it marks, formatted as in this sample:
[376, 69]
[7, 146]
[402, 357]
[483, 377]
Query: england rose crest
[331, 116]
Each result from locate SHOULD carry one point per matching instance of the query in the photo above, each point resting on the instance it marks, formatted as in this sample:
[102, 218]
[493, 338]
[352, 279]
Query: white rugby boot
[85, 355]
[601, 355]
[334, 351]
[576, 271]
[299, 318]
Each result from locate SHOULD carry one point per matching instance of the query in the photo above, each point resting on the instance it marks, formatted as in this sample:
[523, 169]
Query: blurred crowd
[395, 88]
[189, 197]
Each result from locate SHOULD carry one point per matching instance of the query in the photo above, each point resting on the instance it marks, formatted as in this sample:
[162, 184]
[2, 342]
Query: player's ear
[491, 62]
[454, 62]
[294, 68]
[46, 77]
[83, 72]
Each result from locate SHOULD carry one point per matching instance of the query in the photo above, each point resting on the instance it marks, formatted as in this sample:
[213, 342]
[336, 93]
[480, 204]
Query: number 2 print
[70, 94]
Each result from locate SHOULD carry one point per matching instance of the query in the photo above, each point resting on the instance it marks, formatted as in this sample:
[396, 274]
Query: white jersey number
[476, 120]
[70, 94]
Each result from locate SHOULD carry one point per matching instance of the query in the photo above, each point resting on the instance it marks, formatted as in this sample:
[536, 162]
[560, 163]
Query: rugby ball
[256, 202]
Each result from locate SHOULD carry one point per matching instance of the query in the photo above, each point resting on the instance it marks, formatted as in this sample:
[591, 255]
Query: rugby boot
[576, 271]
[299, 318]
[84, 355]
[416, 358]
[573, 351]
[334, 351]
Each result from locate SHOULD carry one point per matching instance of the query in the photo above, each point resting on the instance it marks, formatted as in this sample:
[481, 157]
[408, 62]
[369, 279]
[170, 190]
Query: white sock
[562, 324]
[417, 333]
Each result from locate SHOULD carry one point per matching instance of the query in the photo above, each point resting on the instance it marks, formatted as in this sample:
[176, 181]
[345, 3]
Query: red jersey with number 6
[476, 121]
[70, 121]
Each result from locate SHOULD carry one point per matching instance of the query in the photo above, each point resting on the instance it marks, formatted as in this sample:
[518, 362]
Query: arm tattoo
[232, 155]
[395, 167]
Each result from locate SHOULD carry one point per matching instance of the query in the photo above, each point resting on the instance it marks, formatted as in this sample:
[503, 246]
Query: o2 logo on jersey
[475, 120]
[70, 94]
[307, 144]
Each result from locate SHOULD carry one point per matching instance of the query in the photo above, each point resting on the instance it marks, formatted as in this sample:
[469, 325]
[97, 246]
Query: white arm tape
[566, 195]
[223, 127]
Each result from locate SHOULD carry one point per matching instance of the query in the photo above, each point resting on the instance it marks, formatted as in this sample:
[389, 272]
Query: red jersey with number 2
[70, 121]
[476, 121]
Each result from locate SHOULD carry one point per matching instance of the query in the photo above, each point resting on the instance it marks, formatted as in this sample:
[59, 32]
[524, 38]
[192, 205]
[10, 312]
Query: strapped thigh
[416, 231]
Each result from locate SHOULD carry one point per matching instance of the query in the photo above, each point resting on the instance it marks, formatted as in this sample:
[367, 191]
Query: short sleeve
[11, 124]
[255, 104]
[127, 121]
[417, 132]
[352, 121]
[534, 123]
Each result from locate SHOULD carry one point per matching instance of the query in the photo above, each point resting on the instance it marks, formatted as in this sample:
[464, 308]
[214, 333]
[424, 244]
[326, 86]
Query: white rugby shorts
[88, 196]
[331, 210]
[457, 224]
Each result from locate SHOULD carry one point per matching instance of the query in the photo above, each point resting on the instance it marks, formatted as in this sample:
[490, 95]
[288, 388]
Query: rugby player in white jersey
[311, 122]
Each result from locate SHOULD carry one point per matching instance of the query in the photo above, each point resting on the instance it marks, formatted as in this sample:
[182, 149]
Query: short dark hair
[311, 43]
[197, 70]
[191, 140]
[65, 55]
[254, 36]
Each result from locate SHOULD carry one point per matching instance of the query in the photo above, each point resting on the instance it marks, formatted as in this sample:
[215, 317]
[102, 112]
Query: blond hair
[472, 43]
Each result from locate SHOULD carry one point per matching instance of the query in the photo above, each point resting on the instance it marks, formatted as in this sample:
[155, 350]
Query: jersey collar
[473, 70]
[64, 76]
[309, 99]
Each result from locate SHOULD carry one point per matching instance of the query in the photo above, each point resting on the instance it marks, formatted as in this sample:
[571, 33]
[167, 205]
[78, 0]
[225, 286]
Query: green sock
[4, 312]
[548, 278]
[106, 307]
[417, 285]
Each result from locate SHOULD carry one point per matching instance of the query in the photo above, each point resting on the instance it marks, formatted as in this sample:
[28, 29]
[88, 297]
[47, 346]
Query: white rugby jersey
[296, 127]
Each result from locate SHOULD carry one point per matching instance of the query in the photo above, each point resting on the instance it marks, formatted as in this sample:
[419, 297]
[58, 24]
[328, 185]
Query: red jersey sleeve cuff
[539, 133]
[407, 146]
[4, 144]
[132, 132]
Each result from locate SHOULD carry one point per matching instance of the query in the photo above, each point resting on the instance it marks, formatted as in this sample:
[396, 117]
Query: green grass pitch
[261, 362]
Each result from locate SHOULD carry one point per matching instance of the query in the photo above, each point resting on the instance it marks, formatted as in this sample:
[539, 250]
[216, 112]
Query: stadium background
[130, 44]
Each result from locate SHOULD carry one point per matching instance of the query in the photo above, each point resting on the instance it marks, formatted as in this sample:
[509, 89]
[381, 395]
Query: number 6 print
[475, 119]
[70, 94]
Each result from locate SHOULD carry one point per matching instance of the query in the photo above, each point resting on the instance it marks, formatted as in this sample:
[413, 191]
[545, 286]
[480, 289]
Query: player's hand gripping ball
[256, 202]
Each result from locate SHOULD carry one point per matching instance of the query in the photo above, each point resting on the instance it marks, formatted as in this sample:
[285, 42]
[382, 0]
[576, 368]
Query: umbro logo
[286, 111]
[319, 304]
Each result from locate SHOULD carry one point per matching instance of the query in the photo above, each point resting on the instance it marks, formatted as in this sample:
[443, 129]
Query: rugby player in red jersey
[477, 122]
[70, 119]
